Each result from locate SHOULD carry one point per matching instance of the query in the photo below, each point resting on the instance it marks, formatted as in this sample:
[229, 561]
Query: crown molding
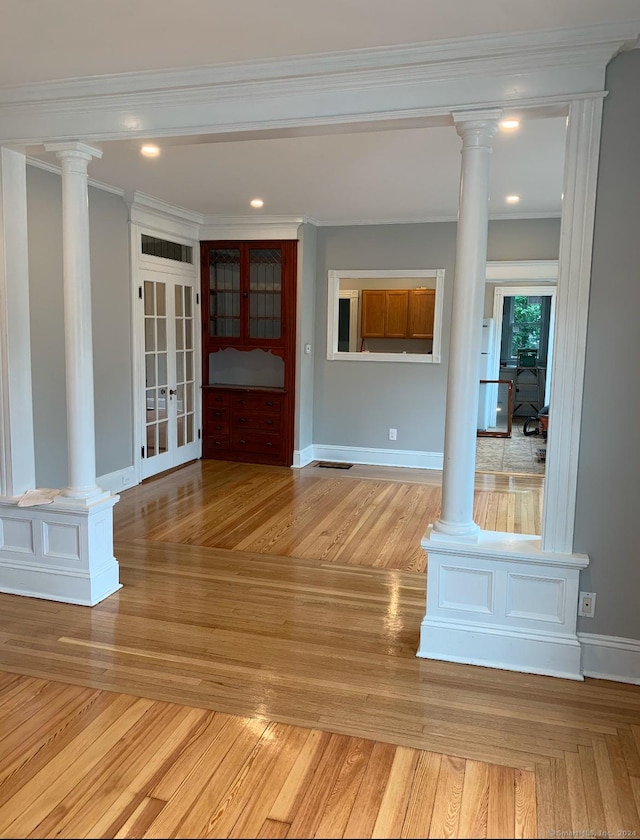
[379, 83]
[252, 227]
[563, 46]
[150, 204]
[154, 214]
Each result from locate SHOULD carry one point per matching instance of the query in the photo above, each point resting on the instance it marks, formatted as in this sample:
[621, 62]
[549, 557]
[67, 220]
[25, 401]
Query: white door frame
[499, 294]
[187, 272]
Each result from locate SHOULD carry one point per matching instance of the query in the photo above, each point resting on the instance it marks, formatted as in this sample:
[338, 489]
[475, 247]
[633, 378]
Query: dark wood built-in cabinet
[248, 350]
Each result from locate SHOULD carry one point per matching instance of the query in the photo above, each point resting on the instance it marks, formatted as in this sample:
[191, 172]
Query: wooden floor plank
[501, 802]
[422, 796]
[474, 805]
[525, 804]
[338, 809]
[595, 818]
[369, 796]
[446, 812]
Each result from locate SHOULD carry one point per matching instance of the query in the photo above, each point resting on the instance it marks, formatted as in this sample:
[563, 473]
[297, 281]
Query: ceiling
[398, 174]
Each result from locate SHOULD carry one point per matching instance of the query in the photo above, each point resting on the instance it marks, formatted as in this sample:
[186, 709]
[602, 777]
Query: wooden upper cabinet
[398, 313]
[421, 313]
[397, 301]
[373, 313]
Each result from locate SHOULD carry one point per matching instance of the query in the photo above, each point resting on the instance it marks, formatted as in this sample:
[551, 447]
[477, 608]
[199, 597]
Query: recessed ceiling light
[149, 150]
[512, 199]
[257, 202]
[509, 124]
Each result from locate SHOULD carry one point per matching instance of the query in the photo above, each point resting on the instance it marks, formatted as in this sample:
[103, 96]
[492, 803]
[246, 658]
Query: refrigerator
[488, 397]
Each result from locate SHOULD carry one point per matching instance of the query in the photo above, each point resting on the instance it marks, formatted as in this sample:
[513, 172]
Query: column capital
[478, 124]
[73, 149]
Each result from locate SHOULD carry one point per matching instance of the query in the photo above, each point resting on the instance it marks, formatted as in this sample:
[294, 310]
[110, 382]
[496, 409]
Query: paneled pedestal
[502, 602]
[60, 551]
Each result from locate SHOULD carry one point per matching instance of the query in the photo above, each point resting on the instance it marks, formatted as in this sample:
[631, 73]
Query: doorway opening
[521, 353]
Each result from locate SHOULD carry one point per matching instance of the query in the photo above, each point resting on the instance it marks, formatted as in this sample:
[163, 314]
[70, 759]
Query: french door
[170, 411]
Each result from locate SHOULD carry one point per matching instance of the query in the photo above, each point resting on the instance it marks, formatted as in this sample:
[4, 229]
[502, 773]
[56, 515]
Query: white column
[17, 460]
[81, 478]
[477, 130]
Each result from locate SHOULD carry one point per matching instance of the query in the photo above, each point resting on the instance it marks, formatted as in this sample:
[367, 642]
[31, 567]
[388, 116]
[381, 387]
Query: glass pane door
[185, 367]
[155, 358]
[224, 293]
[265, 293]
[170, 371]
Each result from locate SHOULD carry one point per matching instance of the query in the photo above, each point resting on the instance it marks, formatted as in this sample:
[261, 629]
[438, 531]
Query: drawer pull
[268, 422]
[242, 402]
[269, 443]
[243, 441]
[218, 443]
[242, 419]
[269, 403]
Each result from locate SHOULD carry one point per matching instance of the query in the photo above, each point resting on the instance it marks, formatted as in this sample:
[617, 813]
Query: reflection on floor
[517, 454]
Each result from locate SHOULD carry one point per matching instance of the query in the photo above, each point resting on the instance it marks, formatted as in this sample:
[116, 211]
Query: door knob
[172, 392]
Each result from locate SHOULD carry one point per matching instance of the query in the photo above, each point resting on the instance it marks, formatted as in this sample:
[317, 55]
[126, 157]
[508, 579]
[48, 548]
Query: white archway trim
[572, 310]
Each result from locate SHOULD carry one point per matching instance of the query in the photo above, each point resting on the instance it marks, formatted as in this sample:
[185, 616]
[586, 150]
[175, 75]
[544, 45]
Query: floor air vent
[335, 465]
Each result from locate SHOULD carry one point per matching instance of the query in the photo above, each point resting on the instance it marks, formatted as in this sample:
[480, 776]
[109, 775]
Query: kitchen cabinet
[398, 313]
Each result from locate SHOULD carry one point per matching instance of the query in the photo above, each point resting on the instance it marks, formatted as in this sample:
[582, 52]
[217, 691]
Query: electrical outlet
[587, 604]
[393, 434]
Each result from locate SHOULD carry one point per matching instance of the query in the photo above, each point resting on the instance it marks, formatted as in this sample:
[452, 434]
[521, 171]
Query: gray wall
[608, 502]
[111, 328]
[306, 291]
[356, 403]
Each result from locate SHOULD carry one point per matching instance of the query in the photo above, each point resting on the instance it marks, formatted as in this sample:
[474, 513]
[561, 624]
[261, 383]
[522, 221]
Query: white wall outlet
[393, 434]
[587, 604]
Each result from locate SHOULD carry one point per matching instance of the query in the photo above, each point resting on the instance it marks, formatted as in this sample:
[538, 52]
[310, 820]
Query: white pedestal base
[61, 552]
[502, 603]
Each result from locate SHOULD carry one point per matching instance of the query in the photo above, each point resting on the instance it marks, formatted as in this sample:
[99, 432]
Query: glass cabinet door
[265, 293]
[224, 293]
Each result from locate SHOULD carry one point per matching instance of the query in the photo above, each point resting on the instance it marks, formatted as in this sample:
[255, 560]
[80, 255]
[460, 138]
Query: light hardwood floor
[256, 677]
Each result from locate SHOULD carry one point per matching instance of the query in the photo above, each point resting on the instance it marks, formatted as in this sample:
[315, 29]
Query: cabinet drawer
[216, 400]
[262, 420]
[256, 402]
[251, 440]
[215, 443]
[217, 415]
[216, 427]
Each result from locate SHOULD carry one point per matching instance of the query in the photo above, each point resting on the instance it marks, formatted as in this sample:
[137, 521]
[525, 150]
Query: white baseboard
[118, 480]
[63, 585]
[379, 457]
[498, 647]
[302, 457]
[610, 658]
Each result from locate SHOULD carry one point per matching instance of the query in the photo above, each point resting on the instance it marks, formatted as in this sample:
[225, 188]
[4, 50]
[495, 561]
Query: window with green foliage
[525, 326]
